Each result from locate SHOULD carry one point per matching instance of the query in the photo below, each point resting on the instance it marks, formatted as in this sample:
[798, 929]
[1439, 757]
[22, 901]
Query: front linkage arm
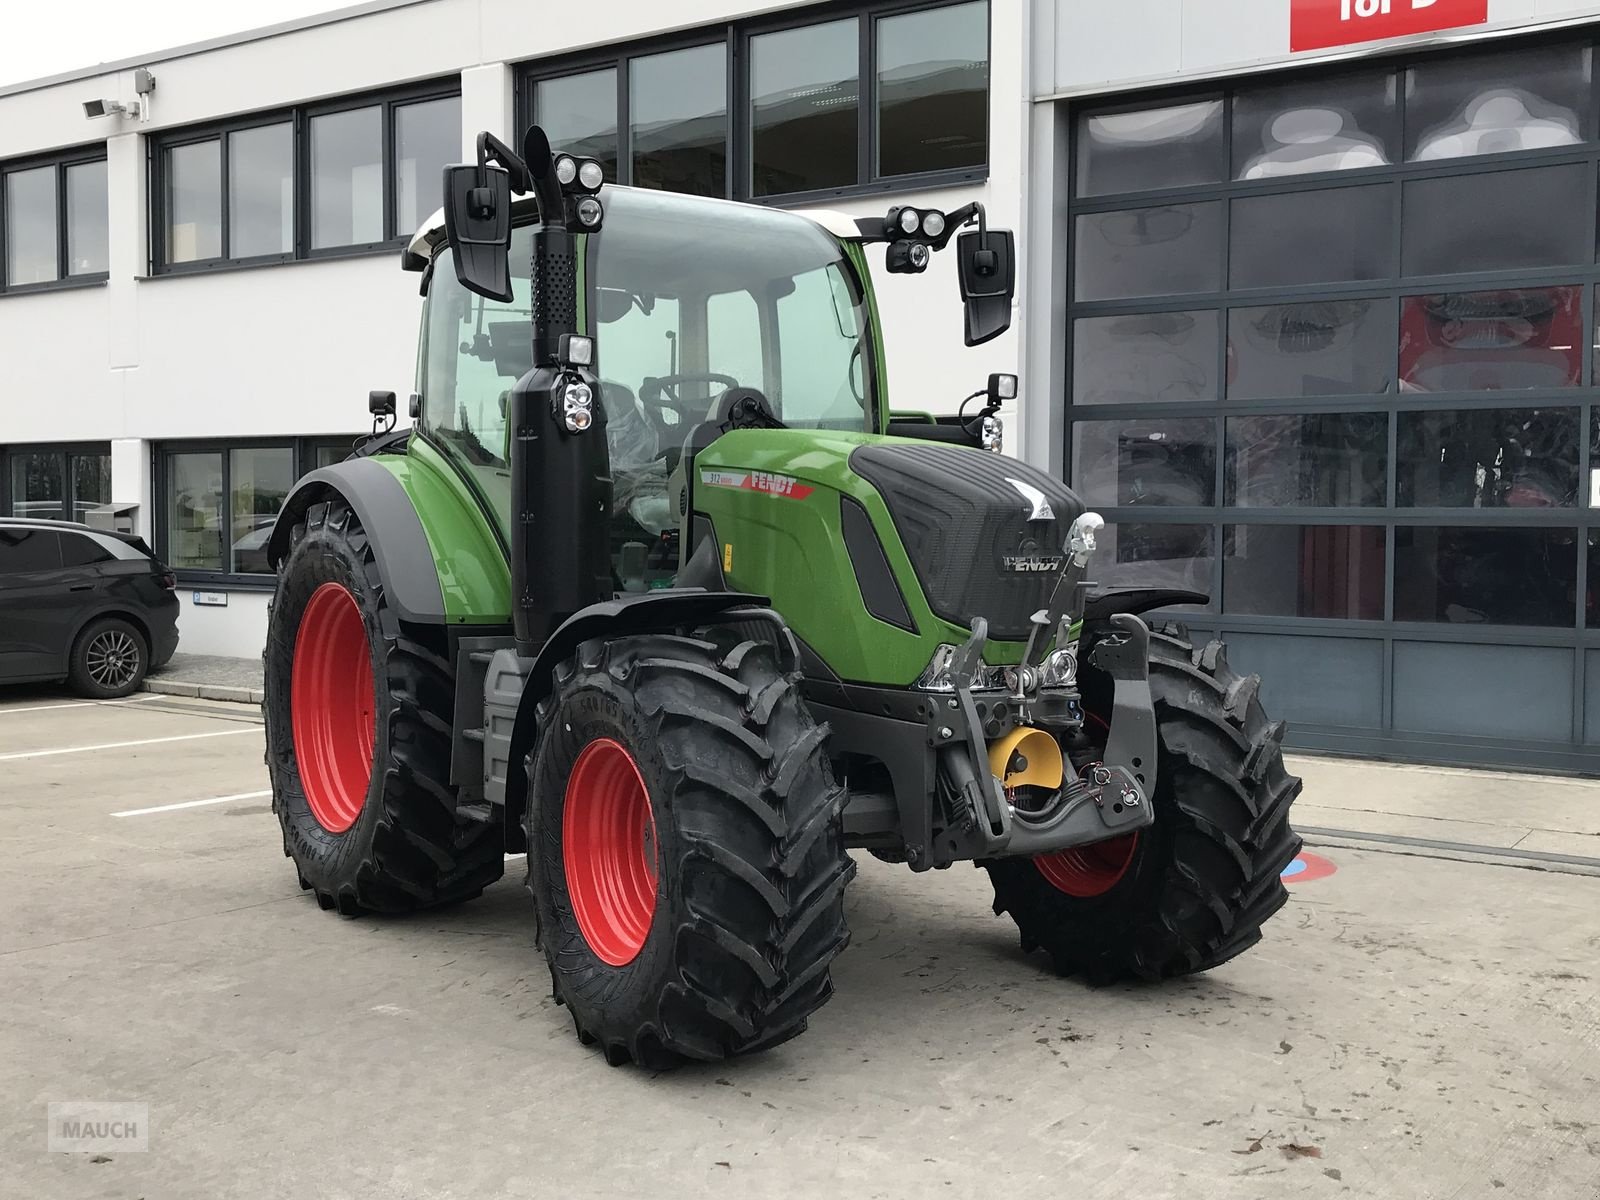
[1109, 797]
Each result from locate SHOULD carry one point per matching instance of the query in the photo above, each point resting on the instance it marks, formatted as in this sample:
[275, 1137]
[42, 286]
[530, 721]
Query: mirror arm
[492, 150]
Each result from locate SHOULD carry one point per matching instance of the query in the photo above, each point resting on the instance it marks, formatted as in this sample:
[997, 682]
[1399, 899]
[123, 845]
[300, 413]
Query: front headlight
[1061, 668]
[935, 676]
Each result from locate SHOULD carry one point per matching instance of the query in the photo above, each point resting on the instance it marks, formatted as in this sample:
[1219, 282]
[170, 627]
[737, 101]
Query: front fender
[394, 531]
[670, 608]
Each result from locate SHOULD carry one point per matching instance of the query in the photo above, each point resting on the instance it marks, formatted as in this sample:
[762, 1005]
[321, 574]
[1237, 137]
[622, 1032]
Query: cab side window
[29, 550]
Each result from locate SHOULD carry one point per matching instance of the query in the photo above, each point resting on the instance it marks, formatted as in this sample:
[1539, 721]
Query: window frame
[735, 37]
[303, 451]
[299, 118]
[94, 152]
[66, 452]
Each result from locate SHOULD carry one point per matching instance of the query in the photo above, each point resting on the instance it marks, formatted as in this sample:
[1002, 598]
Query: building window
[863, 98]
[355, 174]
[217, 503]
[55, 483]
[53, 221]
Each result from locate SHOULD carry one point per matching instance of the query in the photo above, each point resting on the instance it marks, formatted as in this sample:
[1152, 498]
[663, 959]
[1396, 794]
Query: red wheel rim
[333, 708]
[608, 836]
[1092, 870]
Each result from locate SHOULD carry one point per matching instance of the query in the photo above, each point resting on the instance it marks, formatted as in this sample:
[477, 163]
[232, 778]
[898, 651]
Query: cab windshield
[686, 298]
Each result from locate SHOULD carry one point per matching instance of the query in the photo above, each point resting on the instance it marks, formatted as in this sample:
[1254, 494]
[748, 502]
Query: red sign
[1318, 24]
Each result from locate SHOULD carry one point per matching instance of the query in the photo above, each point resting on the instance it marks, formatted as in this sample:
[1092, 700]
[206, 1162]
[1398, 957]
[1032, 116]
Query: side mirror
[477, 221]
[988, 272]
[612, 304]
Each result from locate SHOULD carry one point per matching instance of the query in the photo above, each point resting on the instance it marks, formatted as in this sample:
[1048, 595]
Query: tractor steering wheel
[660, 391]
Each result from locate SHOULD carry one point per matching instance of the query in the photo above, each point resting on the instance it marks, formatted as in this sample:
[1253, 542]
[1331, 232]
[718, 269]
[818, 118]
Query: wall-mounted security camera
[108, 108]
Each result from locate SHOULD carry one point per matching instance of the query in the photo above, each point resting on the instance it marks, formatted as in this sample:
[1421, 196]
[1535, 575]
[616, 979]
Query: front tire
[1193, 890]
[358, 709]
[686, 849]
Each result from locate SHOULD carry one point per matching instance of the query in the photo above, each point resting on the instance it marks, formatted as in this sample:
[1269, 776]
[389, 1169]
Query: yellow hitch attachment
[1040, 756]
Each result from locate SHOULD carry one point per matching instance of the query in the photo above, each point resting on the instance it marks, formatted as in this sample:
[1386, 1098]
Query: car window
[28, 550]
[80, 551]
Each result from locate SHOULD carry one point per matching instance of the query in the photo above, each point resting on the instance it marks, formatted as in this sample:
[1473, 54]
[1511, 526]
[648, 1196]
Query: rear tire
[109, 660]
[1195, 888]
[712, 926]
[365, 804]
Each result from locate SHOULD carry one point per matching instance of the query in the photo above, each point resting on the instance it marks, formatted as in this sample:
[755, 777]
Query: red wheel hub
[608, 837]
[1092, 870]
[333, 708]
[1087, 871]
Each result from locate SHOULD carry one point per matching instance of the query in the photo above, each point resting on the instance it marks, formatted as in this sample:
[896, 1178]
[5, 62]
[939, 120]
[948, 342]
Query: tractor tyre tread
[408, 850]
[738, 956]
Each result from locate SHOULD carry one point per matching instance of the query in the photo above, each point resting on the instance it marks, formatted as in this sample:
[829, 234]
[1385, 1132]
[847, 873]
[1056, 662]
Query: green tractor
[660, 592]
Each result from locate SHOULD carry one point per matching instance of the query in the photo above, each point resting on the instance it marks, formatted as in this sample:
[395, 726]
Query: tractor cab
[776, 316]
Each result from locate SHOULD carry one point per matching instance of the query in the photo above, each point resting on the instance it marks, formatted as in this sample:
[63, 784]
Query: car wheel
[109, 659]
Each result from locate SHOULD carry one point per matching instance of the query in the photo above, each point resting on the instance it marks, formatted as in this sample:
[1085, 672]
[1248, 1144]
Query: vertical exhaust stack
[560, 468]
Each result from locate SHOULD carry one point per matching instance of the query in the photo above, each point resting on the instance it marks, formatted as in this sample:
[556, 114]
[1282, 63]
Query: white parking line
[182, 737]
[144, 812]
[81, 704]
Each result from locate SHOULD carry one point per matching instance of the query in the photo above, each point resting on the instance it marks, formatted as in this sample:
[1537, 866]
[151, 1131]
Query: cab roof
[525, 208]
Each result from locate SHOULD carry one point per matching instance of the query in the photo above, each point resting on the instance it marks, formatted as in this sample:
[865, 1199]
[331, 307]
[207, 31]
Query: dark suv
[82, 604]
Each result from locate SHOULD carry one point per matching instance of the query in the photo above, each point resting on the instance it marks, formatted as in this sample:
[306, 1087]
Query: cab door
[36, 606]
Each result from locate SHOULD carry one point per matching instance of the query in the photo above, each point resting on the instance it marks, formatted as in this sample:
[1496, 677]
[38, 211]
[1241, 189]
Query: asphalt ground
[1410, 1027]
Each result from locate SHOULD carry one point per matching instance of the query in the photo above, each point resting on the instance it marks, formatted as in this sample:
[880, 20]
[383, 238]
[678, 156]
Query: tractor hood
[878, 550]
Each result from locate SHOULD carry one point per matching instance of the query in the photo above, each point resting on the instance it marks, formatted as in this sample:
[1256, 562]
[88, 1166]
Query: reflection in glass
[88, 215]
[1492, 576]
[30, 210]
[1498, 221]
[261, 191]
[1329, 571]
[1163, 556]
[37, 489]
[1145, 358]
[1330, 125]
[679, 106]
[1168, 249]
[347, 178]
[1326, 348]
[1488, 458]
[260, 478]
[1491, 341]
[1155, 462]
[91, 483]
[1312, 460]
[1332, 236]
[804, 86]
[933, 89]
[194, 511]
[194, 202]
[1150, 148]
[1496, 103]
[579, 115]
[427, 135]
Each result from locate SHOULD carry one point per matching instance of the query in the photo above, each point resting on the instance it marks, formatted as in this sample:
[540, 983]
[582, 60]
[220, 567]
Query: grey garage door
[1331, 363]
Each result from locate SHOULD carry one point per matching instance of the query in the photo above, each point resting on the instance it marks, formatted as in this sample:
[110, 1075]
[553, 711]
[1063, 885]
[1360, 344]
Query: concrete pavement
[1410, 1028]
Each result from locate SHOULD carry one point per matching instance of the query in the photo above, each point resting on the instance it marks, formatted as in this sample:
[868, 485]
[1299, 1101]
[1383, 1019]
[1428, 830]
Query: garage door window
[1331, 347]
